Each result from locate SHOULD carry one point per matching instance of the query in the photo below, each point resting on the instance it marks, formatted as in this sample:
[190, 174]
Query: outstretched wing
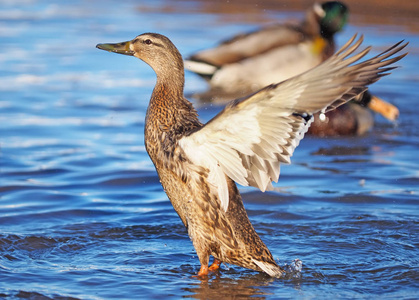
[249, 139]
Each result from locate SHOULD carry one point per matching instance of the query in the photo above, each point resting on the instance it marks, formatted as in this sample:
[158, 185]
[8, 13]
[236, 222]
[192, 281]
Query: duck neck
[169, 117]
[169, 87]
[312, 27]
[168, 108]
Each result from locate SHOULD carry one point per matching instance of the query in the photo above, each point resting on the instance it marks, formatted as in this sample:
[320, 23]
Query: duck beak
[387, 110]
[121, 48]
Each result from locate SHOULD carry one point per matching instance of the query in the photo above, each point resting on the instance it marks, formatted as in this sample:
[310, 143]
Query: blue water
[82, 212]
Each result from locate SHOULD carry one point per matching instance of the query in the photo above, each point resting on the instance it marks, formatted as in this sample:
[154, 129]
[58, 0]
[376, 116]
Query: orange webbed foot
[203, 272]
[215, 265]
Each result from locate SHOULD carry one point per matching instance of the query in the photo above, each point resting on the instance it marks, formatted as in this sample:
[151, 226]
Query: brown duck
[198, 164]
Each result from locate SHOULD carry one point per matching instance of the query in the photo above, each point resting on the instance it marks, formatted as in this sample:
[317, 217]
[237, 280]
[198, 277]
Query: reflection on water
[230, 288]
[82, 212]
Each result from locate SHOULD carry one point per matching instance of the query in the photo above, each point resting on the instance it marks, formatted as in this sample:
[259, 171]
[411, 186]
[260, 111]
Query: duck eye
[148, 42]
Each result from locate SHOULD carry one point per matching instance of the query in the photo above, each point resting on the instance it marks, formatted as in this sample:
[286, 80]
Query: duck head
[154, 49]
[332, 16]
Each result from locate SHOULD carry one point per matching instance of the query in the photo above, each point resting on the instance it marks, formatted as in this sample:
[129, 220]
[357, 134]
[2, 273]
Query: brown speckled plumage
[173, 135]
[229, 237]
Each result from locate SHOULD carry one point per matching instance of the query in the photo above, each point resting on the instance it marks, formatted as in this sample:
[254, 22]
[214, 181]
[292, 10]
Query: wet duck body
[199, 164]
[169, 118]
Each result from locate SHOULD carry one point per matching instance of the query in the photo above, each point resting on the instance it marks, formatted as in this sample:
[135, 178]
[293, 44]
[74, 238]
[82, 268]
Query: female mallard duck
[251, 61]
[199, 164]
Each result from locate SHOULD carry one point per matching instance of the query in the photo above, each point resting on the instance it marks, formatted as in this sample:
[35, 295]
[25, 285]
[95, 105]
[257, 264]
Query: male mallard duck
[251, 61]
[198, 164]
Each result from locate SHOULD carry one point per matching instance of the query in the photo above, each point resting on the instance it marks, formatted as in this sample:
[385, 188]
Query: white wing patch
[200, 67]
[219, 150]
[245, 146]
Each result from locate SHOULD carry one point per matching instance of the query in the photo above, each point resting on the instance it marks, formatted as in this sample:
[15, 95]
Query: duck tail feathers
[269, 268]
